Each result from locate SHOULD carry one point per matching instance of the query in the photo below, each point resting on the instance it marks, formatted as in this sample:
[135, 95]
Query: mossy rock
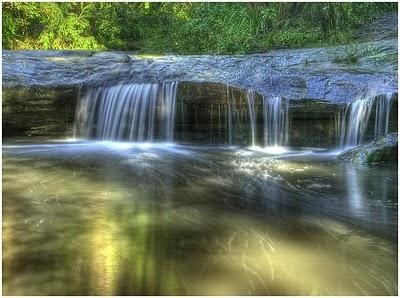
[381, 151]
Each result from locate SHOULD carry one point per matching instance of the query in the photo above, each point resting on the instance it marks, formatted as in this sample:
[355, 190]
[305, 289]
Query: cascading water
[276, 121]
[383, 105]
[276, 124]
[355, 122]
[252, 114]
[231, 106]
[234, 120]
[146, 112]
[354, 119]
[129, 112]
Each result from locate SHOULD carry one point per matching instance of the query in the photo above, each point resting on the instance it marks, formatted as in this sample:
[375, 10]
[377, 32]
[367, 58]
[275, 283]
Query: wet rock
[40, 88]
[293, 74]
[381, 151]
[212, 93]
[116, 57]
[38, 112]
[384, 27]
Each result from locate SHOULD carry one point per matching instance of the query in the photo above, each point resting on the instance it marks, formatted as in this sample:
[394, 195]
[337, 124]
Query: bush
[353, 53]
[183, 28]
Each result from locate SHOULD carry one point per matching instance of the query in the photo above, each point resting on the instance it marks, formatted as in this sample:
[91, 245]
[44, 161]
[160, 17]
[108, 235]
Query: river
[113, 218]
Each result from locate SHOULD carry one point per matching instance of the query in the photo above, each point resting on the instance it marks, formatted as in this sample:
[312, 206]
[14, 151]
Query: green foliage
[183, 28]
[353, 53]
[47, 26]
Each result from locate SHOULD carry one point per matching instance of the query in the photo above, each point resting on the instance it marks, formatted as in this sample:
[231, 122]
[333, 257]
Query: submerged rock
[381, 151]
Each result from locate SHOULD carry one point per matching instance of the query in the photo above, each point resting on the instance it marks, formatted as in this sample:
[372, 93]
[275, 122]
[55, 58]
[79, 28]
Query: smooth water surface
[106, 218]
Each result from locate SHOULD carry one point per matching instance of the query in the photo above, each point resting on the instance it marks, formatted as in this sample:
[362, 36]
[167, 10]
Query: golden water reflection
[77, 231]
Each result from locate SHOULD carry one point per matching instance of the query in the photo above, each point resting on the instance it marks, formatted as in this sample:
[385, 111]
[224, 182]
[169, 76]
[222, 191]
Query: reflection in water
[354, 190]
[102, 218]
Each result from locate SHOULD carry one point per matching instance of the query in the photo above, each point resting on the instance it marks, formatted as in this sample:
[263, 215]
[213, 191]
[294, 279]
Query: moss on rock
[381, 151]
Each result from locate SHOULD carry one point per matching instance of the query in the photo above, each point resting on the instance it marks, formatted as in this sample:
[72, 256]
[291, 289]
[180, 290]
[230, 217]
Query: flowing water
[354, 119]
[112, 218]
[146, 112]
[131, 112]
[382, 112]
[252, 116]
[276, 121]
[99, 217]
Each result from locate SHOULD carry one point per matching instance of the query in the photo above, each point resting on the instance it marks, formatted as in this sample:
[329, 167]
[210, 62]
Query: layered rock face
[38, 112]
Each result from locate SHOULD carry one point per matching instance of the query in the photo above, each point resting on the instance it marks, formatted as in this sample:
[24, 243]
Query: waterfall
[355, 122]
[276, 121]
[252, 114]
[355, 118]
[146, 112]
[382, 113]
[235, 115]
[230, 101]
[129, 112]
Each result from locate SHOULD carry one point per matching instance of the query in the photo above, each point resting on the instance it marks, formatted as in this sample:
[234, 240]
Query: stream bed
[112, 218]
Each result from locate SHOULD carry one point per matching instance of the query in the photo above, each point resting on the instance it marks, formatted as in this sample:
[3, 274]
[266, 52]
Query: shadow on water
[102, 218]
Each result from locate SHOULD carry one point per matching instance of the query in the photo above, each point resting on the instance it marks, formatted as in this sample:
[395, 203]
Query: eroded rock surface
[293, 74]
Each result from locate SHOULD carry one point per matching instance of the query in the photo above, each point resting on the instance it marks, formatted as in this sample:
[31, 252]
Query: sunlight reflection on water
[102, 218]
